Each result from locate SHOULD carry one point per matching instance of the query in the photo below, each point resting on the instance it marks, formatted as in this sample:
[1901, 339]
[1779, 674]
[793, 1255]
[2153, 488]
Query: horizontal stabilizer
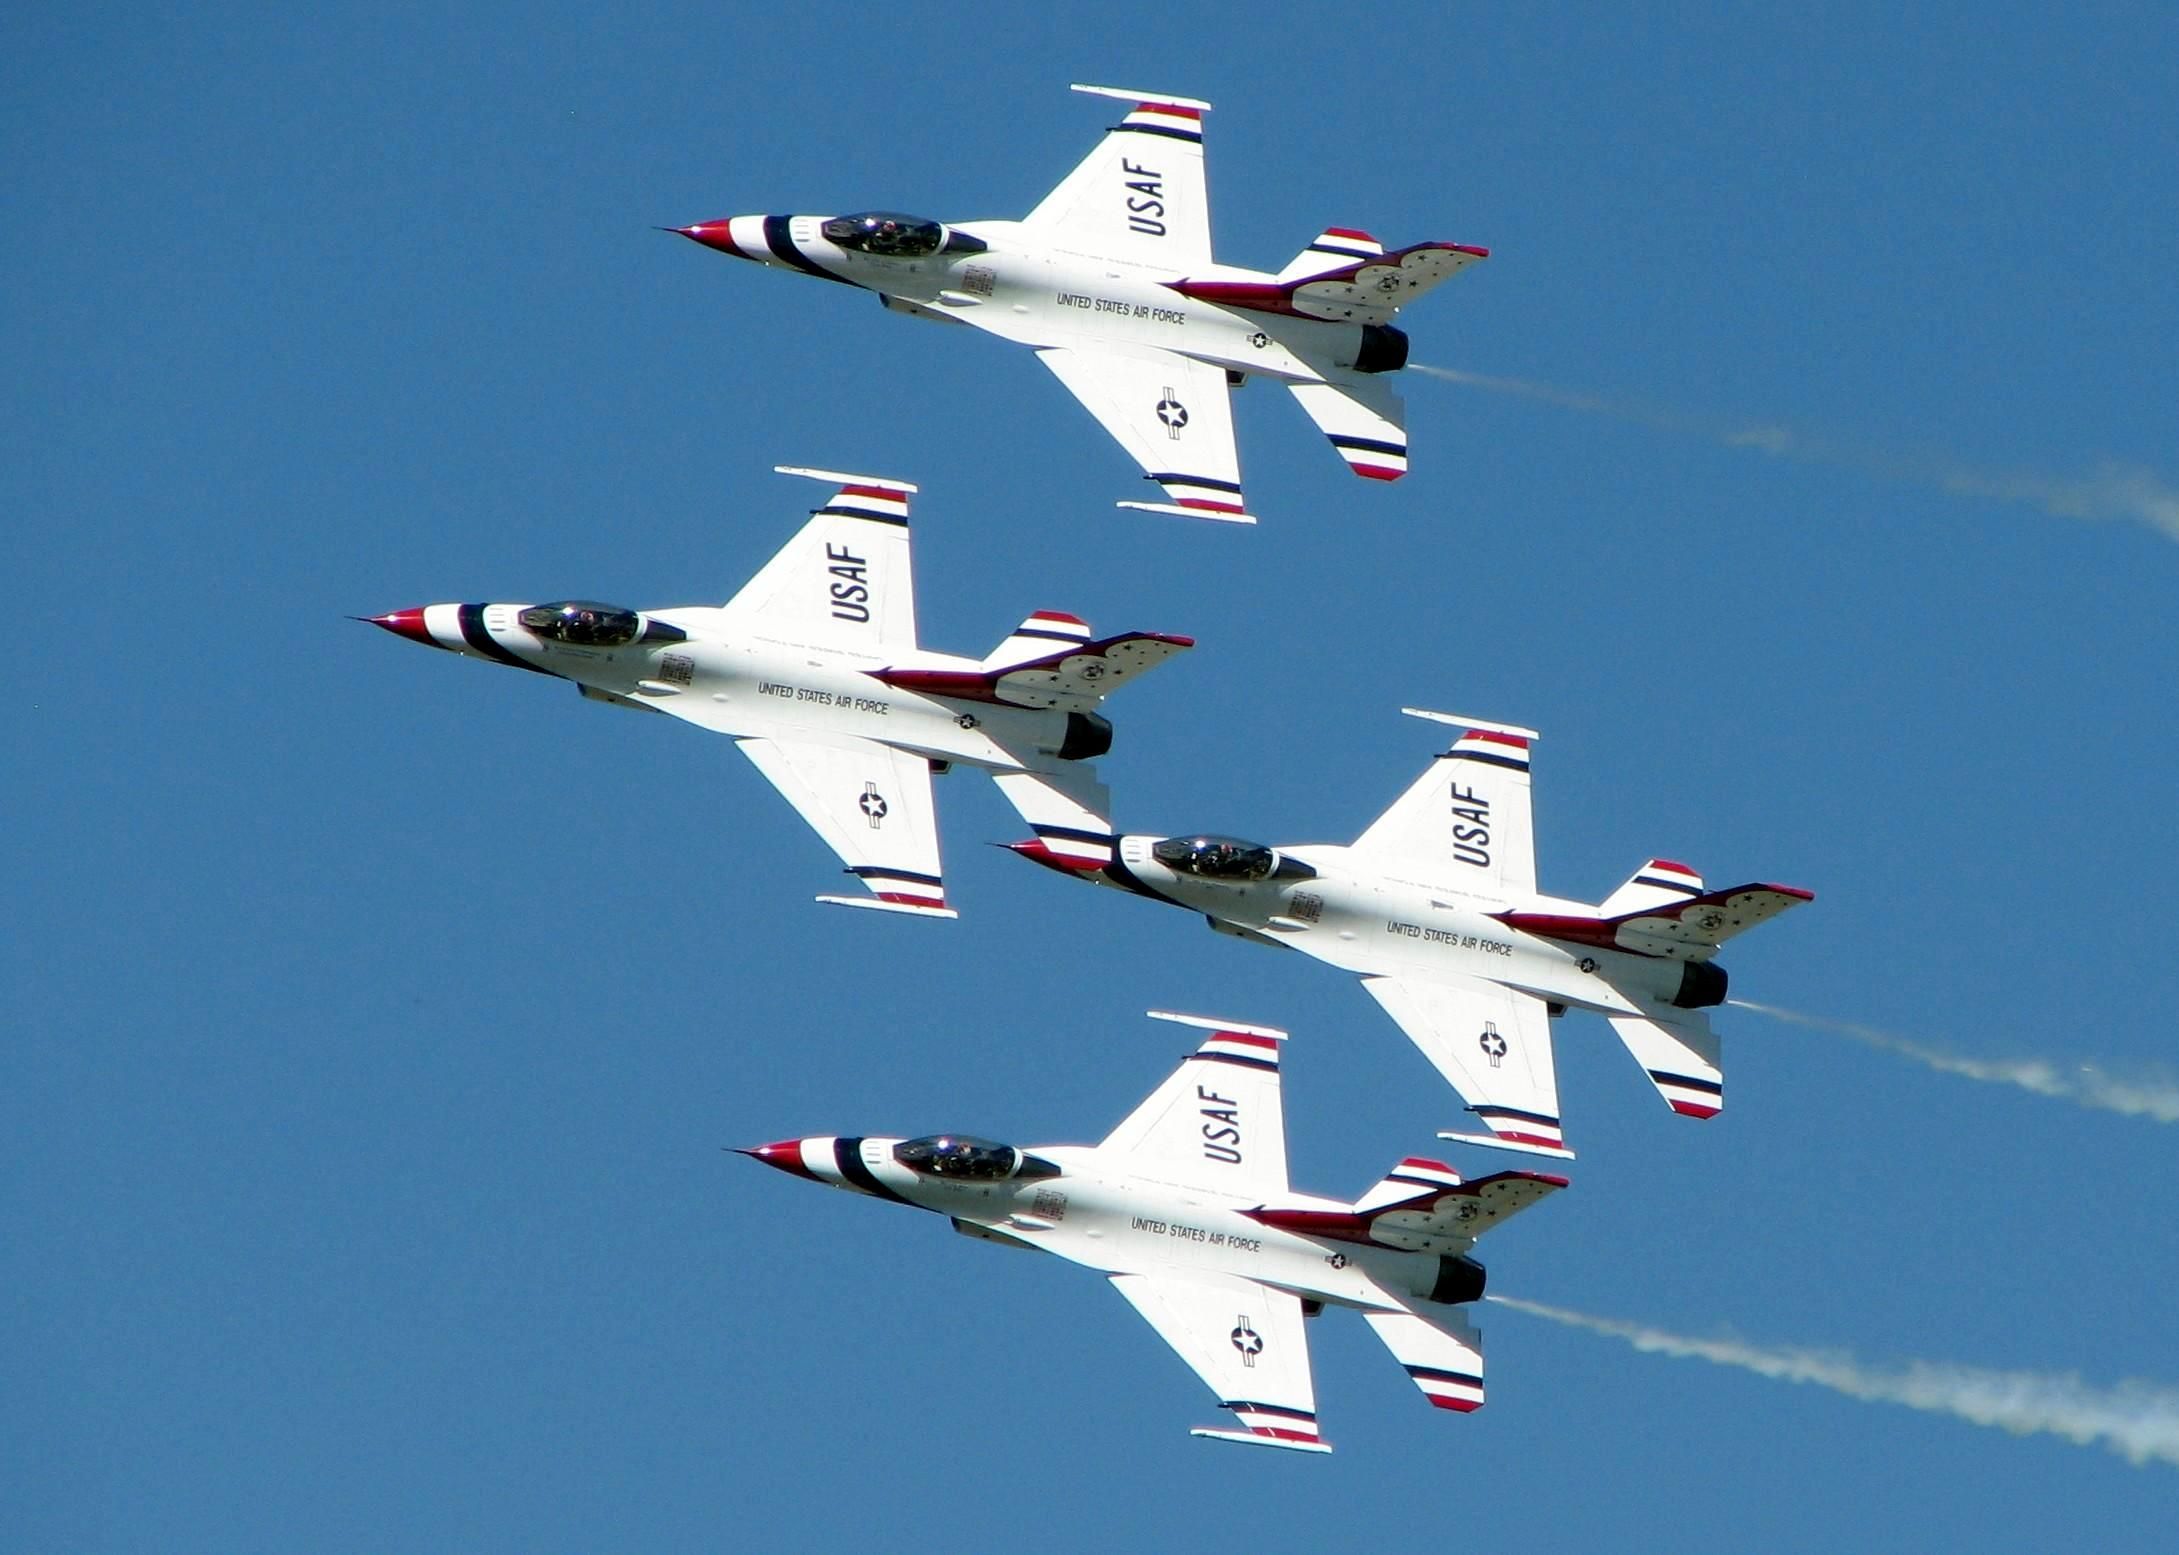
[1334, 248]
[1415, 1175]
[1069, 810]
[1365, 420]
[1658, 883]
[1690, 929]
[1682, 1059]
[1444, 1358]
[1067, 673]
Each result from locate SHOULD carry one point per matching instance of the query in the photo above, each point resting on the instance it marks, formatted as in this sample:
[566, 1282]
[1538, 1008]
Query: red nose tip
[405, 623]
[786, 1154]
[712, 234]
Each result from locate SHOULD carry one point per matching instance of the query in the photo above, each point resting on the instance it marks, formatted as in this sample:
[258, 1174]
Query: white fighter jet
[1186, 1207]
[1436, 907]
[814, 671]
[1111, 281]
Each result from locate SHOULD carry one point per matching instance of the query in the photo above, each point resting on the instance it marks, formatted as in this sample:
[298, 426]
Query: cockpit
[888, 234]
[893, 235]
[965, 1158]
[1216, 858]
[583, 623]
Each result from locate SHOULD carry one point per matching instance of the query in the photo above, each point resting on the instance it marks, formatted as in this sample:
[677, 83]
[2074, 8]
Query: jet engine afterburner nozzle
[1089, 735]
[1702, 984]
[1459, 1279]
[1384, 349]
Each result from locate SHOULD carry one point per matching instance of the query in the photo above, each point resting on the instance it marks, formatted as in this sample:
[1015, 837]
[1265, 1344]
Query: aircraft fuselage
[745, 685]
[1040, 296]
[1374, 925]
[1103, 1217]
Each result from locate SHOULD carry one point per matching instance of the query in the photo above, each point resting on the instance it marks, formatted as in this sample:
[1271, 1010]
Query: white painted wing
[1217, 1123]
[1172, 413]
[844, 583]
[1364, 418]
[1493, 1045]
[1443, 1355]
[1465, 823]
[872, 805]
[1140, 195]
[1246, 1342]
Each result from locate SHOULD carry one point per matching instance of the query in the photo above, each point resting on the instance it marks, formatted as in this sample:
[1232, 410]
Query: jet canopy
[583, 623]
[965, 1158]
[1216, 858]
[888, 234]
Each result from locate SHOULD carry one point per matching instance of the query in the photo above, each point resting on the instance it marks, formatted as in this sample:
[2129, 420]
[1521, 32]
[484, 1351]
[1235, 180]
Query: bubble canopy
[889, 234]
[966, 1158]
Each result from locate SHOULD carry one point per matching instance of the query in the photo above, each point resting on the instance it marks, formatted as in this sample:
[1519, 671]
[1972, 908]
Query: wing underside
[1246, 1341]
[1140, 195]
[872, 804]
[1492, 1044]
[1172, 413]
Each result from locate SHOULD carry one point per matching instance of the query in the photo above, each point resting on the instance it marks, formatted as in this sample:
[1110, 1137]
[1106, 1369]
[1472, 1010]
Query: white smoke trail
[2137, 1420]
[2154, 1096]
[2110, 491]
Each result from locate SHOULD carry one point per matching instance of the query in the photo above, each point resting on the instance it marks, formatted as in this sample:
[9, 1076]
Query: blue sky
[377, 1019]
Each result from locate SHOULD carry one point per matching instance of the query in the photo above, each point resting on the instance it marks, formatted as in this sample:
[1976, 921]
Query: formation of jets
[815, 670]
[1110, 281]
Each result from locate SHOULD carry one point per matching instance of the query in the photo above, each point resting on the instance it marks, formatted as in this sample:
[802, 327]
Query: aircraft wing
[1493, 1045]
[844, 582]
[1217, 1123]
[872, 804]
[1365, 420]
[1466, 822]
[1172, 413]
[1140, 195]
[1246, 1342]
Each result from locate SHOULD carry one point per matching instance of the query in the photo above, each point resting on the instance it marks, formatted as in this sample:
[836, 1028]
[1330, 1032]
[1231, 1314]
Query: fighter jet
[814, 671]
[1111, 281]
[1186, 1207]
[1436, 907]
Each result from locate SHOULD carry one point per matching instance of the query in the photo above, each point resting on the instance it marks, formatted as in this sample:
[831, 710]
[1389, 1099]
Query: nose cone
[405, 623]
[713, 234]
[786, 1154]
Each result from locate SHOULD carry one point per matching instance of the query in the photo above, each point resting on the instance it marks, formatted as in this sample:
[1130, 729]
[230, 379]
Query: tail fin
[1420, 1206]
[1368, 289]
[1049, 661]
[1684, 928]
[1335, 248]
[1658, 883]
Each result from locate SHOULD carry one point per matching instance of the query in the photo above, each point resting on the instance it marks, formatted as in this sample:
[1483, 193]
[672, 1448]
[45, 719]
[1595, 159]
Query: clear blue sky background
[375, 1019]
